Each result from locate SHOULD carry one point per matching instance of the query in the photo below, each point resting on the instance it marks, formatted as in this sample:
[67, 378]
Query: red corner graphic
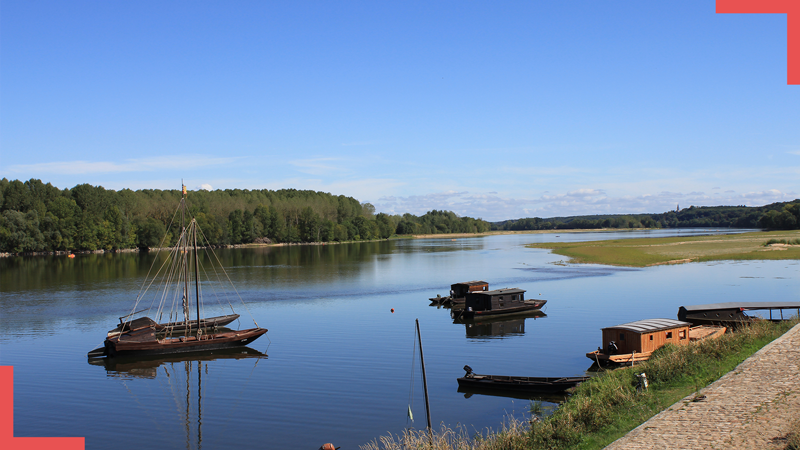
[792, 10]
[7, 439]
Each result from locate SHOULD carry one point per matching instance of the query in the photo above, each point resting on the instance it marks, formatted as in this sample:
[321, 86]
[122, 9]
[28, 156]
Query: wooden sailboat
[144, 336]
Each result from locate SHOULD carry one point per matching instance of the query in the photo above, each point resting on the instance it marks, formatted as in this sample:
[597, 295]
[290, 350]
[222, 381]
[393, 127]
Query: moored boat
[544, 385]
[500, 301]
[634, 342]
[145, 337]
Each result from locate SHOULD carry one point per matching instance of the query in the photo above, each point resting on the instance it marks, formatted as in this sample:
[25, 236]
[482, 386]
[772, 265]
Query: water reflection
[498, 327]
[172, 391]
[541, 397]
[147, 367]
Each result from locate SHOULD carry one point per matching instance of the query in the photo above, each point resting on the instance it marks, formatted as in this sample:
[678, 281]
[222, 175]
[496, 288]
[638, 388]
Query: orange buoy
[71, 255]
[392, 310]
[327, 446]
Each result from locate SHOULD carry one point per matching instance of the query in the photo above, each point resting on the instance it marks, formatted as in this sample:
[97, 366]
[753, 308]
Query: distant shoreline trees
[776, 216]
[38, 217]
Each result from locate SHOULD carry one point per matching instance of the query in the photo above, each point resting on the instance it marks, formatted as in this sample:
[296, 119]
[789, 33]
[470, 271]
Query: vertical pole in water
[425, 383]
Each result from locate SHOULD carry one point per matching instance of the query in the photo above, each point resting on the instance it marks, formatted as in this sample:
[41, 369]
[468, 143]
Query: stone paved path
[751, 407]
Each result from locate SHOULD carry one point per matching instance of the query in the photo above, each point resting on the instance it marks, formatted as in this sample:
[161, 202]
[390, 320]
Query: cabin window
[651, 337]
[682, 334]
[622, 336]
[500, 300]
[669, 334]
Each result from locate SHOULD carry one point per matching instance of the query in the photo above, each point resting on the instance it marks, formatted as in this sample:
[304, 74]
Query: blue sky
[496, 110]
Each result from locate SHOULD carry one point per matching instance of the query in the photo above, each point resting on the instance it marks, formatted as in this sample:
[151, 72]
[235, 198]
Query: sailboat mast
[184, 244]
[424, 381]
[196, 275]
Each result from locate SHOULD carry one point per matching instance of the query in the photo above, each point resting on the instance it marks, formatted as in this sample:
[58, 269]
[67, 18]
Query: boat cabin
[644, 336]
[460, 290]
[496, 300]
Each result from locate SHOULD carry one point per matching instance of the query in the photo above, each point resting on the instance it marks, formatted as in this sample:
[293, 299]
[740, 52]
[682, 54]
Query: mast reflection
[176, 373]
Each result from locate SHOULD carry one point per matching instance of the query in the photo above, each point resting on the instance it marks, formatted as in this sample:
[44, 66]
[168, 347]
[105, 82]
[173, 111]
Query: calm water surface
[340, 364]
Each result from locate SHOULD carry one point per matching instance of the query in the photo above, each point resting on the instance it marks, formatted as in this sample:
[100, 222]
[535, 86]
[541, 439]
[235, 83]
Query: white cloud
[172, 162]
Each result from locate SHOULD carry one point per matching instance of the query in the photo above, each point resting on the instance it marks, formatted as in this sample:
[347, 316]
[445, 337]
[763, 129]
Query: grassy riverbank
[608, 406]
[674, 250]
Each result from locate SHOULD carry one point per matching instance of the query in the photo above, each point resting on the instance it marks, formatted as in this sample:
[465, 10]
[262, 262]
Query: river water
[339, 365]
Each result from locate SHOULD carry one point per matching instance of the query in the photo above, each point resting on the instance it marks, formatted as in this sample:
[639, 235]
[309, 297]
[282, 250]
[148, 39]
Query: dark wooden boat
[733, 313]
[544, 385]
[144, 337]
[500, 301]
[459, 291]
[208, 322]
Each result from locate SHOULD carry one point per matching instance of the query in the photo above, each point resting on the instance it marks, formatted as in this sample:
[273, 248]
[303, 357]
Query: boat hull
[145, 343]
[530, 305]
[540, 385]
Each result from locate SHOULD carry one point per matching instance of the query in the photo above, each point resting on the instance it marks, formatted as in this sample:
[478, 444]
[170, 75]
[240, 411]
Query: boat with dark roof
[458, 293]
[537, 385]
[499, 301]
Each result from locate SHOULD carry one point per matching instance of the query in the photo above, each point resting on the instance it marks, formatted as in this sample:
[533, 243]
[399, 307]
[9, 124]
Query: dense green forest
[776, 216]
[35, 216]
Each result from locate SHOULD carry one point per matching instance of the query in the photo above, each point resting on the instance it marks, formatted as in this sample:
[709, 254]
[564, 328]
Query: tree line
[775, 216]
[35, 216]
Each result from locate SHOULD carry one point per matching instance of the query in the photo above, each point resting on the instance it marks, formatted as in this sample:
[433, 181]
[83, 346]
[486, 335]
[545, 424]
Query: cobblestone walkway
[751, 407]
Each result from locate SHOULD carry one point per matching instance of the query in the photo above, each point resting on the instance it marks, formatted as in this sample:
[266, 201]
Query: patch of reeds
[607, 406]
[782, 241]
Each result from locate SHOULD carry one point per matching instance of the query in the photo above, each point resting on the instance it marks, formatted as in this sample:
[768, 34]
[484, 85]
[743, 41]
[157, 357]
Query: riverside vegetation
[608, 406]
[36, 217]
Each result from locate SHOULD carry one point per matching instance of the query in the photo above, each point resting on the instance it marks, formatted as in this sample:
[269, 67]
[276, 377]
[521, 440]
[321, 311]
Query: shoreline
[451, 236]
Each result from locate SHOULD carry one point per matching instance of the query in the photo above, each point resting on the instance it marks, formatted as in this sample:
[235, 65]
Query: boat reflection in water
[498, 327]
[535, 396]
[147, 367]
[180, 380]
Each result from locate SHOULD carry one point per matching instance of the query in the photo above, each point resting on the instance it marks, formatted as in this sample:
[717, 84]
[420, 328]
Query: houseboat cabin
[496, 300]
[646, 335]
[635, 341]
